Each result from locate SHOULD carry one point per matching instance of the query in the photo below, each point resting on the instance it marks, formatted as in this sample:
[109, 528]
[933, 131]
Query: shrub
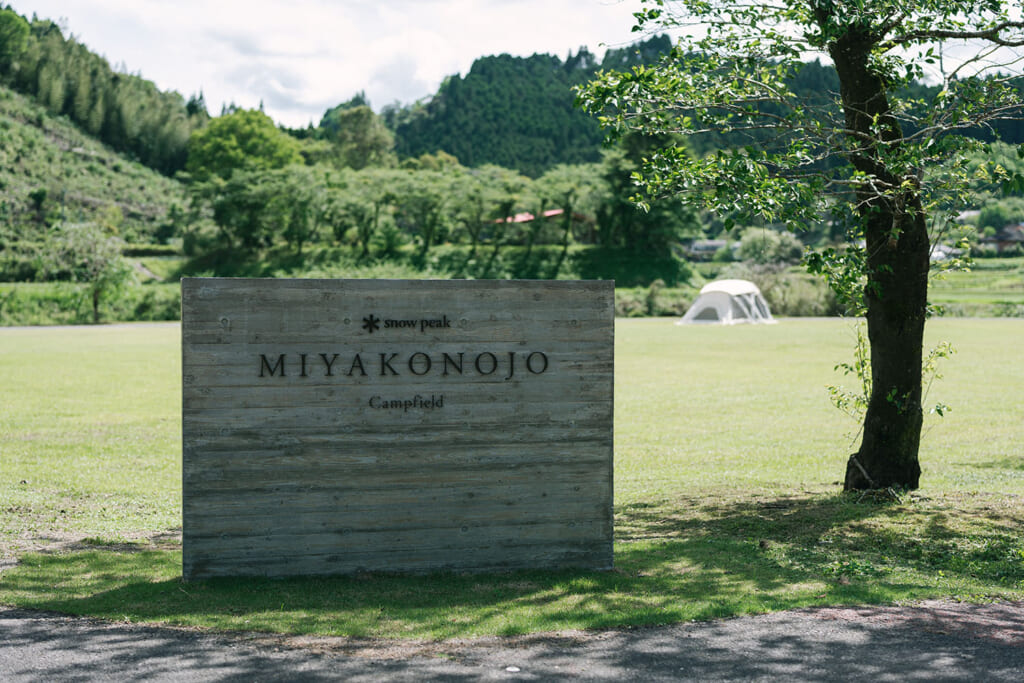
[800, 296]
[58, 303]
[67, 303]
[150, 250]
[1009, 310]
[149, 303]
[629, 268]
[765, 246]
[20, 262]
[638, 302]
[788, 293]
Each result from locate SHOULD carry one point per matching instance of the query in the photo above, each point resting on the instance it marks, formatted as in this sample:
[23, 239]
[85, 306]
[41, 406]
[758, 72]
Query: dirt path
[936, 641]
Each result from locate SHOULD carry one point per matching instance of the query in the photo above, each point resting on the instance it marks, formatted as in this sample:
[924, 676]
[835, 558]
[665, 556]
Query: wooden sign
[338, 426]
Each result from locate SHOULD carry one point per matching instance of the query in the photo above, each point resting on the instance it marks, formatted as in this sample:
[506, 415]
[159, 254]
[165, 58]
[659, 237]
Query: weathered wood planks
[336, 426]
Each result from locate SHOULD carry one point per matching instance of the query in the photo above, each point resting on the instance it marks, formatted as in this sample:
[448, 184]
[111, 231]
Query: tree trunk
[566, 236]
[896, 236]
[95, 305]
[896, 297]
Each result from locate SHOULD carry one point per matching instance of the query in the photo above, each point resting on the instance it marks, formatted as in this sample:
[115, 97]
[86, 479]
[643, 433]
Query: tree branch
[993, 34]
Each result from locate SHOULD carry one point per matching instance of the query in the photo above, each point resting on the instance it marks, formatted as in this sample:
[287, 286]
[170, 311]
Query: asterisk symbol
[371, 323]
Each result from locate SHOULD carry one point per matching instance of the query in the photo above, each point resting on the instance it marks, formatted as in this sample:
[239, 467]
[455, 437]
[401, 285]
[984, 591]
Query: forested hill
[124, 111]
[51, 171]
[518, 112]
[515, 112]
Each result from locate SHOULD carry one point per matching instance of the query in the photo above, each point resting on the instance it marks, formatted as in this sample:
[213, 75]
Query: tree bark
[896, 298]
[896, 237]
[95, 305]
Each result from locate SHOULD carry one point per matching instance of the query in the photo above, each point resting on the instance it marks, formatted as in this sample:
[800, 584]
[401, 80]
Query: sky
[301, 57]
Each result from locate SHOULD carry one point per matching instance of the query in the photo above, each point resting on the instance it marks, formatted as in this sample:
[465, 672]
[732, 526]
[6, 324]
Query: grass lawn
[728, 458]
[995, 285]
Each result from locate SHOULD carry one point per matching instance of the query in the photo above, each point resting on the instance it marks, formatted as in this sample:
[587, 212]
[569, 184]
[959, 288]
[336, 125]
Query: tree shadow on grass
[1007, 463]
[688, 559]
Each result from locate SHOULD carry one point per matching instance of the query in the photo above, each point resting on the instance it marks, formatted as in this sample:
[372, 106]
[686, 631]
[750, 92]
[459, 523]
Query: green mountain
[516, 112]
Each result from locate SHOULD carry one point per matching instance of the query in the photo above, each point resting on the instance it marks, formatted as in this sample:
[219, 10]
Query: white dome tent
[727, 302]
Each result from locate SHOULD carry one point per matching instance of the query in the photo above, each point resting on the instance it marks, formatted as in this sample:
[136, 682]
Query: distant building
[941, 252]
[705, 250]
[1009, 236]
[527, 217]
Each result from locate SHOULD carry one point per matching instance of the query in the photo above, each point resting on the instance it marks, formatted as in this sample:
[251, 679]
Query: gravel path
[935, 641]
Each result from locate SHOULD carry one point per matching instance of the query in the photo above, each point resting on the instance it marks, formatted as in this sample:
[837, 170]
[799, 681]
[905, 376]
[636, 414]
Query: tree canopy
[359, 137]
[244, 139]
[869, 155]
[89, 254]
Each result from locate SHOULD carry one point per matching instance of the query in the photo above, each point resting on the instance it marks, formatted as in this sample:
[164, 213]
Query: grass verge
[727, 458]
[678, 561]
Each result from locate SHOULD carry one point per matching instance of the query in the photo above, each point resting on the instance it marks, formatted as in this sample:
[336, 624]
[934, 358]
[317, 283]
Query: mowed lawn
[90, 430]
[728, 460]
[745, 408]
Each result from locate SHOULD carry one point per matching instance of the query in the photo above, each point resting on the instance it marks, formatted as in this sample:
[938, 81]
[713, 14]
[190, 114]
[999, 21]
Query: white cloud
[301, 57]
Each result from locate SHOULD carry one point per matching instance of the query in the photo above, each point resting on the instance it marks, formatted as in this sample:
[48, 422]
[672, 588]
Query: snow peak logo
[372, 323]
